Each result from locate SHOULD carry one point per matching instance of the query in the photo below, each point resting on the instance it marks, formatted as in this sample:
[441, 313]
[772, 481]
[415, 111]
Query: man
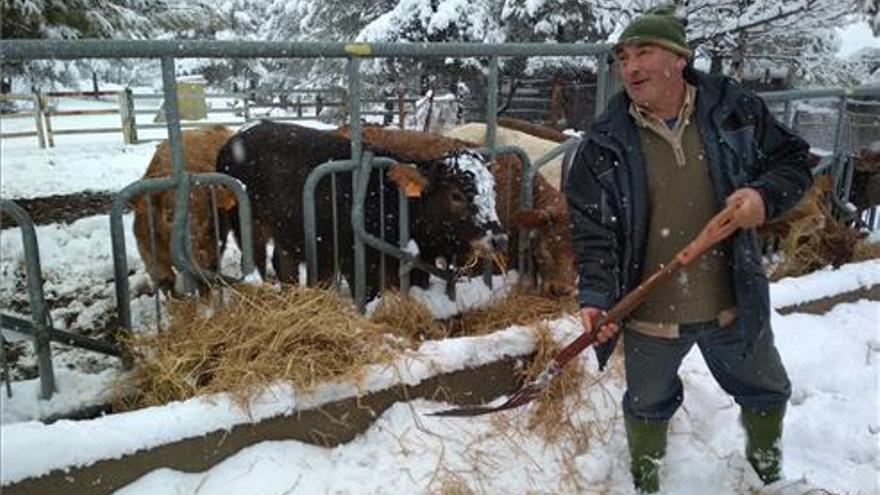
[670, 151]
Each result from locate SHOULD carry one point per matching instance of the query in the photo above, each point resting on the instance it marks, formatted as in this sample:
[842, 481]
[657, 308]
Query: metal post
[403, 226]
[601, 86]
[354, 121]
[401, 109]
[788, 115]
[491, 128]
[492, 106]
[180, 224]
[152, 234]
[39, 311]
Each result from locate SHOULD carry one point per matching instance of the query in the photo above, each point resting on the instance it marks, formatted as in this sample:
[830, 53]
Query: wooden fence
[293, 105]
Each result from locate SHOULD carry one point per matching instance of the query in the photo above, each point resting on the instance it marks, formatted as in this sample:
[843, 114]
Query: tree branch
[780, 14]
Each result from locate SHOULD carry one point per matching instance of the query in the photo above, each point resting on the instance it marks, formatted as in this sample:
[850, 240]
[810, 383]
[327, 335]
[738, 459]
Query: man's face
[651, 74]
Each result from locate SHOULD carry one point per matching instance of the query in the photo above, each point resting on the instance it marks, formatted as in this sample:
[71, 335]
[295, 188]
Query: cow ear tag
[408, 178]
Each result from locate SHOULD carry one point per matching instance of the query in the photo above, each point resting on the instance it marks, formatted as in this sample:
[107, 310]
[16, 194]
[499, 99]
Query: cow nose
[499, 242]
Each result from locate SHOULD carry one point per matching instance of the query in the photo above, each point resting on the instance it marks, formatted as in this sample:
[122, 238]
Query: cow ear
[408, 179]
[225, 199]
[138, 203]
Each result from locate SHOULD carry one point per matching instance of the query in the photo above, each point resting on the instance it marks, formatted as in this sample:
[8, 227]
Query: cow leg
[261, 239]
[286, 263]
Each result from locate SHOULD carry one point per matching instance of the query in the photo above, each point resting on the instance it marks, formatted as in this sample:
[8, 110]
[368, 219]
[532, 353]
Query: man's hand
[589, 315]
[750, 211]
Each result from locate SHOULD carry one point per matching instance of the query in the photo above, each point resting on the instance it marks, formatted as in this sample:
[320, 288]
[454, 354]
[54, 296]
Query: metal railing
[840, 165]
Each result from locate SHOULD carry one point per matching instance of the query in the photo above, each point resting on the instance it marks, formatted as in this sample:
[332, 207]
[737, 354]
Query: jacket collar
[712, 92]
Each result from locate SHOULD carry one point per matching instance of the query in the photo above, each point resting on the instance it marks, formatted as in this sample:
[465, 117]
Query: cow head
[456, 205]
[550, 242]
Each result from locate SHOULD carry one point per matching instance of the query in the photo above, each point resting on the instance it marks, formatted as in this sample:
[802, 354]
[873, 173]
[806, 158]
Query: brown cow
[200, 149]
[866, 178]
[552, 250]
[536, 140]
[548, 219]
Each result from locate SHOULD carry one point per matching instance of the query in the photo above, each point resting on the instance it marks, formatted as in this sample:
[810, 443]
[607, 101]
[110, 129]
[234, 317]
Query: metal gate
[182, 181]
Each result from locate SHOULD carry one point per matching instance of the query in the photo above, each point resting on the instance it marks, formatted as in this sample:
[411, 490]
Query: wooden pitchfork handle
[720, 227]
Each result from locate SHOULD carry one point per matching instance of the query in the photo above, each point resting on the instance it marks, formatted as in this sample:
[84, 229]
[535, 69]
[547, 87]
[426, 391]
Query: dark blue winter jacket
[607, 194]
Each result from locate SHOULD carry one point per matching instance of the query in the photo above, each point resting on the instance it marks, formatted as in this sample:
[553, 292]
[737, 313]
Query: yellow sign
[358, 49]
[191, 101]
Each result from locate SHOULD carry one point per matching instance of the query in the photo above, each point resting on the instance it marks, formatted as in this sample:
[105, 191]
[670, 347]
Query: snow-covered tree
[414, 21]
[871, 8]
[73, 19]
[752, 30]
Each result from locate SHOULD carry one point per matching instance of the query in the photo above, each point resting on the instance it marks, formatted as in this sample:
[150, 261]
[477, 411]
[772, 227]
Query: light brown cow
[534, 139]
[547, 219]
[200, 149]
[553, 254]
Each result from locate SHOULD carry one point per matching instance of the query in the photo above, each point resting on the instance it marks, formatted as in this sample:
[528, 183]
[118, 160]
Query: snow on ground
[831, 438]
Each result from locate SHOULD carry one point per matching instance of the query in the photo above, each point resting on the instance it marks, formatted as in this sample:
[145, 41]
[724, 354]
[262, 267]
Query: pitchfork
[716, 230]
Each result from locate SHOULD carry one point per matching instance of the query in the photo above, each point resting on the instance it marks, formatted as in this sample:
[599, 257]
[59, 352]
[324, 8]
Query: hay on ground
[517, 308]
[407, 317]
[551, 415]
[814, 242]
[262, 335]
[866, 250]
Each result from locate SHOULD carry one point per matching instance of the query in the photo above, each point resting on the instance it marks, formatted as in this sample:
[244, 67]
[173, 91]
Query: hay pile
[517, 308]
[262, 335]
[409, 318]
[814, 242]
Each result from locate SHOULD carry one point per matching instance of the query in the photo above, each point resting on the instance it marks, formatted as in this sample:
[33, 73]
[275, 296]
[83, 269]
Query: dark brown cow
[200, 149]
[451, 201]
[551, 244]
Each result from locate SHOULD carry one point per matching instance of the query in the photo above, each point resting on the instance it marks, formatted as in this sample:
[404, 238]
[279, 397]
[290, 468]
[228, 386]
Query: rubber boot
[763, 434]
[647, 446]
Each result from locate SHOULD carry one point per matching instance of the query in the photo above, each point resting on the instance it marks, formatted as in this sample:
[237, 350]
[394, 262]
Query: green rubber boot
[647, 446]
[763, 434]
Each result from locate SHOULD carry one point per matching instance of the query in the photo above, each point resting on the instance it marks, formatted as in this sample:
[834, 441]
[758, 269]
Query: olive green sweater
[682, 200]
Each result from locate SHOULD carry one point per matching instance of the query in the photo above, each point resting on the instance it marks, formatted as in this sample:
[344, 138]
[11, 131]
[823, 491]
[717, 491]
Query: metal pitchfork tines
[720, 227]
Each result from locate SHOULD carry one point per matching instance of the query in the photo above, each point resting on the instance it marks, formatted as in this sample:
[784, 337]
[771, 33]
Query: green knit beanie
[659, 26]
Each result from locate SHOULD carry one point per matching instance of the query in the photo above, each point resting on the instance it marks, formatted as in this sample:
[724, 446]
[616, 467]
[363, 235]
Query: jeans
[654, 389]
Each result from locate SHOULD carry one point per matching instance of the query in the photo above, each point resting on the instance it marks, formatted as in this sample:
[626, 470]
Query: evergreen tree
[74, 19]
